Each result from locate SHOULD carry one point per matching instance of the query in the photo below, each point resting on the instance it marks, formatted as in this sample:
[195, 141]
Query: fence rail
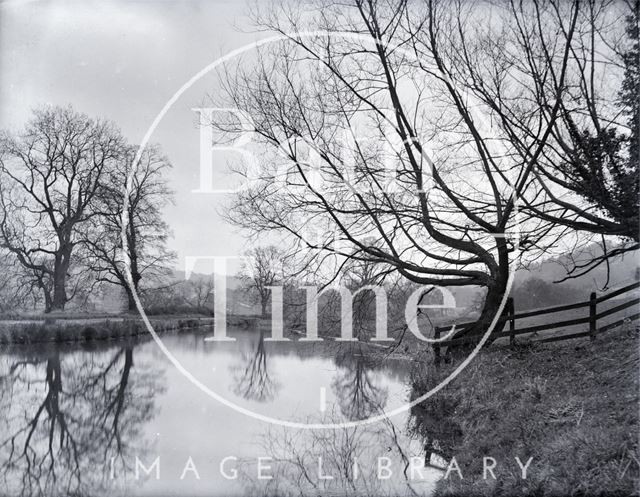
[509, 315]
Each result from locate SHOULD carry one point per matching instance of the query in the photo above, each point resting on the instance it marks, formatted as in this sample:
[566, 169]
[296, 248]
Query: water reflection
[366, 460]
[65, 414]
[77, 421]
[360, 393]
[252, 378]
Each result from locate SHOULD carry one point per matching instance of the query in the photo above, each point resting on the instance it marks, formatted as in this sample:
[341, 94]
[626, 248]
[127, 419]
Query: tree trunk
[263, 304]
[136, 277]
[133, 263]
[495, 293]
[131, 303]
[60, 270]
[48, 301]
[59, 293]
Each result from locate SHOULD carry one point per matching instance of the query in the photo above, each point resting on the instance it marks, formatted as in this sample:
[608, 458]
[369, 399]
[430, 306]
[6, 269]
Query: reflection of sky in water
[157, 412]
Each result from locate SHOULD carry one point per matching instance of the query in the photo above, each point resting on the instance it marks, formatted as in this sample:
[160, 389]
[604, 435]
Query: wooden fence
[509, 316]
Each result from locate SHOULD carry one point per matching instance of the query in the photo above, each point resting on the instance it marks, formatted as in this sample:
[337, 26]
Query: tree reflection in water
[359, 393]
[295, 453]
[252, 379]
[357, 389]
[64, 416]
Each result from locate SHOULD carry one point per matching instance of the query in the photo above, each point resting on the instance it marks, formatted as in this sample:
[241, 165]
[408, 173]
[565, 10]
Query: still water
[119, 418]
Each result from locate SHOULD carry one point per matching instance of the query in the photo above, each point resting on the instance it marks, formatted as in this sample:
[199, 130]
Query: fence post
[592, 316]
[436, 346]
[512, 321]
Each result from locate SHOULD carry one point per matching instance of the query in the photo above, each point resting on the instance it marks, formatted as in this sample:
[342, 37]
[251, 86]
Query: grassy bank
[66, 331]
[573, 407]
[73, 326]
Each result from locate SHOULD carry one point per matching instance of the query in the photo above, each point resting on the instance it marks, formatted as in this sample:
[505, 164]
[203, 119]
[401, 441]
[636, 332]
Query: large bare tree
[372, 137]
[146, 231]
[50, 176]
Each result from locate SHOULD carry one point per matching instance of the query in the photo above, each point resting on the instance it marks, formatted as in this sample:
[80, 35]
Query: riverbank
[83, 328]
[572, 407]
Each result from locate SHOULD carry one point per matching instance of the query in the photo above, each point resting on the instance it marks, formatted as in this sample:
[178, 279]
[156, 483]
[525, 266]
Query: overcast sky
[123, 60]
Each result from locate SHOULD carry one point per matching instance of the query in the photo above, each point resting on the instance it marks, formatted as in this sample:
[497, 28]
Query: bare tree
[586, 174]
[263, 270]
[146, 231]
[371, 137]
[50, 177]
[356, 275]
[202, 289]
